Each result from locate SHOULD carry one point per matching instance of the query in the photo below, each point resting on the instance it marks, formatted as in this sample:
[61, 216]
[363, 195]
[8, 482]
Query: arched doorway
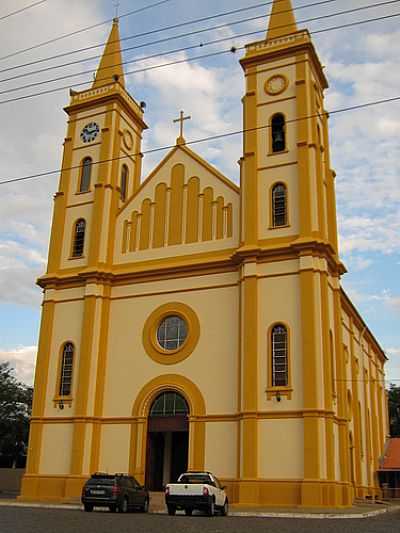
[167, 439]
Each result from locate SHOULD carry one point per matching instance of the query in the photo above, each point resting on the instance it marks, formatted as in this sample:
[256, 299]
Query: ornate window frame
[150, 343]
[278, 390]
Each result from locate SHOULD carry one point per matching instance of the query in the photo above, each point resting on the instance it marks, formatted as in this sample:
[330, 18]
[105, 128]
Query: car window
[101, 481]
[191, 479]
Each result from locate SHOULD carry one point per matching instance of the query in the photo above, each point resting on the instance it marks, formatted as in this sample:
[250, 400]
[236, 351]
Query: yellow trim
[41, 381]
[145, 218]
[208, 198]
[160, 215]
[249, 356]
[279, 390]
[220, 217]
[100, 378]
[176, 204]
[150, 343]
[60, 202]
[193, 210]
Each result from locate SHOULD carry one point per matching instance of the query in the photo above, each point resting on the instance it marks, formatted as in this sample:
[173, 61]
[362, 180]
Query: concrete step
[157, 501]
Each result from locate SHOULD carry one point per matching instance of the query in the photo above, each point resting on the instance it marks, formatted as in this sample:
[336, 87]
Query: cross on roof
[116, 5]
[181, 119]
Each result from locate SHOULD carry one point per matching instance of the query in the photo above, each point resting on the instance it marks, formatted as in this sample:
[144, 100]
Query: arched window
[124, 182]
[79, 238]
[279, 205]
[169, 404]
[86, 172]
[278, 133]
[66, 370]
[279, 351]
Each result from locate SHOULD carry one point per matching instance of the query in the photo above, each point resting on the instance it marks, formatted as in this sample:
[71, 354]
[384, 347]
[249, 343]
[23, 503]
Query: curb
[254, 514]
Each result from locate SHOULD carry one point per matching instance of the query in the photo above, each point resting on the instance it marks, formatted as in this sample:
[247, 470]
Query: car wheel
[171, 510]
[112, 508]
[225, 508]
[88, 507]
[124, 506]
[145, 508]
[211, 509]
[188, 512]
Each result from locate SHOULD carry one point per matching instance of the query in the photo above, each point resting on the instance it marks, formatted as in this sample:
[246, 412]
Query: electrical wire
[22, 9]
[159, 41]
[196, 58]
[205, 139]
[50, 41]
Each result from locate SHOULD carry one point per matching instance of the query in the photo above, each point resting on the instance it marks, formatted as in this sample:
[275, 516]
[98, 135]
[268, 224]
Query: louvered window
[85, 174]
[279, 205]
[66, 369]
[79, 238]
[279, 342]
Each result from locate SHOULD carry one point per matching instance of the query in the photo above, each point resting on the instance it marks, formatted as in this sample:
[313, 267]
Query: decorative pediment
[184, 201]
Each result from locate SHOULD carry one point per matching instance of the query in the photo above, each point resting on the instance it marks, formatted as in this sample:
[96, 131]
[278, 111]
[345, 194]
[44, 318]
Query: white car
[196, 490]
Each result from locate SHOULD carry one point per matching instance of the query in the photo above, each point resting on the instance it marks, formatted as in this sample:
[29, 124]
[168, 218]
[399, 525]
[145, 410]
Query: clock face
[89, 132]
[127, 139]
[275, 85]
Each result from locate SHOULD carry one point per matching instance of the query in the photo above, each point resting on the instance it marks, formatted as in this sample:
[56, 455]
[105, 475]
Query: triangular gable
[183, 202]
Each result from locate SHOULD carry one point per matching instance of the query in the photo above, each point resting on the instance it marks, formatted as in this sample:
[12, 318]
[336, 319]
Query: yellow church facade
[192, 323]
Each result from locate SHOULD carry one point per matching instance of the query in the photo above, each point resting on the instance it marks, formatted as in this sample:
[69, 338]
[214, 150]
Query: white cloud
[22, 359]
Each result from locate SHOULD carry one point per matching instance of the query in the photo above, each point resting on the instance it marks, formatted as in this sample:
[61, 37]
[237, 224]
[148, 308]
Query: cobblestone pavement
[29, 520]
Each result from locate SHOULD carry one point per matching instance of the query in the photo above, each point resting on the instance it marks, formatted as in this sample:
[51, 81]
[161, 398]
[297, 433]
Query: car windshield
[101, 481]
[190, 479]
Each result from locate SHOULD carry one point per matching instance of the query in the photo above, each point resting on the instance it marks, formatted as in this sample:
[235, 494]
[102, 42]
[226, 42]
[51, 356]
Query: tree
[394, 410]
[15, 410]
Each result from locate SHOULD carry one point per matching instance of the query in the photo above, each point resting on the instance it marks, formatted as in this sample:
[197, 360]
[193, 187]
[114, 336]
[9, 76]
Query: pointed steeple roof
[282, 20]
[110, 67]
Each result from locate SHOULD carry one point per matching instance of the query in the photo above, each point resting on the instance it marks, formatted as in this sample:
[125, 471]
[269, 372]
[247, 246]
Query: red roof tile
[391, 459]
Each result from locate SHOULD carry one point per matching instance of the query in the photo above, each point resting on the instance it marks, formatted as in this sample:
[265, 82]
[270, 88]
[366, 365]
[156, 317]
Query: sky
[362, 64]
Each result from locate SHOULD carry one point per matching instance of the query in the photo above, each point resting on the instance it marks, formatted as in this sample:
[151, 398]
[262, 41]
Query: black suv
[118, 492]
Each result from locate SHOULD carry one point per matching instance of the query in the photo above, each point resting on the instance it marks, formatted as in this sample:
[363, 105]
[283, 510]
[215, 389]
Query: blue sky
[362, 65]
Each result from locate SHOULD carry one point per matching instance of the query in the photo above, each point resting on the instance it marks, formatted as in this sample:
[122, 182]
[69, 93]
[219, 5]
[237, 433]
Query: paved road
[28, 520]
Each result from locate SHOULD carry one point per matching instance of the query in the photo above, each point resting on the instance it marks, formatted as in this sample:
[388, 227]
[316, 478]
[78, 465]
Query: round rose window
[172, 332]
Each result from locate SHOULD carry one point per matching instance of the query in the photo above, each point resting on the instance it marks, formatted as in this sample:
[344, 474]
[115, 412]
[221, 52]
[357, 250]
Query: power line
[206, 139]
[182, 49]
[159, 41]
[50, 41]
[196, 58]
[22, 9]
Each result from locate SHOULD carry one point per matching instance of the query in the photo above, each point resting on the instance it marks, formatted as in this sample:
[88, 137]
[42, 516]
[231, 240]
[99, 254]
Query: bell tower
[101, 166]
[289, 253]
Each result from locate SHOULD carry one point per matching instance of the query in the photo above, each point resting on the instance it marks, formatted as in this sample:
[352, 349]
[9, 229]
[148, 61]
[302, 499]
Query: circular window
[172, 332]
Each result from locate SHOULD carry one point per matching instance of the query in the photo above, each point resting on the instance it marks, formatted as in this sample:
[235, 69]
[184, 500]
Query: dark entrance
[167, 440]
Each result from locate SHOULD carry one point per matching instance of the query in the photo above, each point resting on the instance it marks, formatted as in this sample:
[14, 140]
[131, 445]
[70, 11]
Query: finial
[181, 119]
[116, 6]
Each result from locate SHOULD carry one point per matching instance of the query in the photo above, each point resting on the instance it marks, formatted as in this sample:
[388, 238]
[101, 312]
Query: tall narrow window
[86, 172]
[278, 133]
[279, 350]
[66, 369]
[279, 205]
[79, 238]
[124, 182]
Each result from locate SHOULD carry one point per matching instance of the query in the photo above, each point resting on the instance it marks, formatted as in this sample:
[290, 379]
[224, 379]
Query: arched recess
[140, 412]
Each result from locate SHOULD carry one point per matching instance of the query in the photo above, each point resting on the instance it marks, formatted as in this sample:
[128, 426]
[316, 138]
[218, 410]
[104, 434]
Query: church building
[191, 323]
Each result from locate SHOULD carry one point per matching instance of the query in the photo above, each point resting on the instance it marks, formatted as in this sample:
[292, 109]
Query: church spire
[282, 20]
[110, 67]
